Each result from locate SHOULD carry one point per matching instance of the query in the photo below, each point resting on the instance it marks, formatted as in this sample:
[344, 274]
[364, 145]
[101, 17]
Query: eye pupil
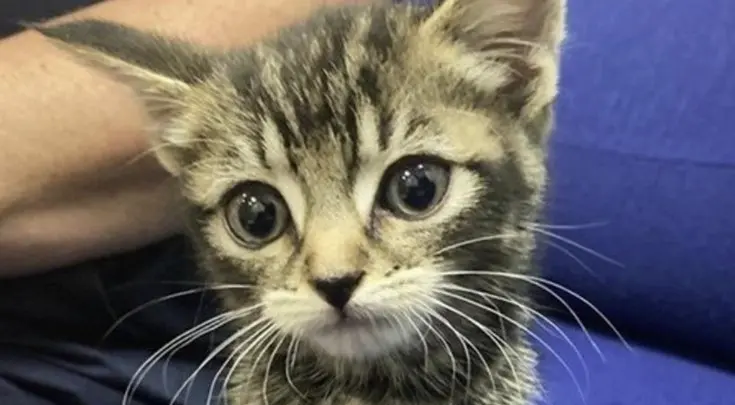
[256, 214]
[257, 217]
[416, 188]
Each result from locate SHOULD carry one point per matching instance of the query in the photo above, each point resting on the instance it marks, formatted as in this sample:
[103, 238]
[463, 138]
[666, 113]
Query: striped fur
[320, 111]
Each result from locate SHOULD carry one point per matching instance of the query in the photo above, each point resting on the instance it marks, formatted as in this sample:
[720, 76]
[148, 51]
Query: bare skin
[75, 181]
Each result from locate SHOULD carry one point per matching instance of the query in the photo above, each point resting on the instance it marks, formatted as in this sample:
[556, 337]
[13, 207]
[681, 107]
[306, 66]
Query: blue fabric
[640, 376]
[645, 143]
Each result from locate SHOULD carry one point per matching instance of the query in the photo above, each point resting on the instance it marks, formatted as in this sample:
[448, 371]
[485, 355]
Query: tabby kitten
[367, 178]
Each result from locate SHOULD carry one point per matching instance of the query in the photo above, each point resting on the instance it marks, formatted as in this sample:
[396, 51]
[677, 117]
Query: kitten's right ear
[161, 71]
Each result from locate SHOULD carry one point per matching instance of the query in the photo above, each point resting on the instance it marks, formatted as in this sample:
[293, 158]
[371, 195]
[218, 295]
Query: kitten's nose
[337, 291]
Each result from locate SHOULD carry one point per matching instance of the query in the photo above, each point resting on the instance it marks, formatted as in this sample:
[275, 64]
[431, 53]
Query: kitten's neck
[315, 380]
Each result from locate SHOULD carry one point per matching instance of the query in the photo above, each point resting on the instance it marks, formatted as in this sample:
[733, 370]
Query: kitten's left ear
[161, 71]
[521, 37]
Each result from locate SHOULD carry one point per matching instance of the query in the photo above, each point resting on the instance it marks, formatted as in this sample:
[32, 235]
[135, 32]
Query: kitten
[366, 176]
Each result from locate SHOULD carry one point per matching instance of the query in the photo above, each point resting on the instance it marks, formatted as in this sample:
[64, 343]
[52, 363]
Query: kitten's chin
[361, 340]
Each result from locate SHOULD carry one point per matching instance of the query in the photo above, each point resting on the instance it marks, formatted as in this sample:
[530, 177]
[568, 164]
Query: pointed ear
[161, 71]
[523, 37]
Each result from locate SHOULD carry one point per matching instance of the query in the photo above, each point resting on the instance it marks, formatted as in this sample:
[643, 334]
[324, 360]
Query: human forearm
[89, 223]
[66, 132]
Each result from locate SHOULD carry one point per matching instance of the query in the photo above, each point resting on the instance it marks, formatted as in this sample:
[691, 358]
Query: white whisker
[269, 364]
[499, 343]
[437, 386]
[545, 285]
[466, 342]
[568, 226]
[291, 355]
[517, 324]
[424, 344]
[572, 256]
[215, 352]
[576, 245]
[170, 297]
[264, 327]
[255, 345]
[180, 341]
[263, 350]
[473, 241]
[432, 313]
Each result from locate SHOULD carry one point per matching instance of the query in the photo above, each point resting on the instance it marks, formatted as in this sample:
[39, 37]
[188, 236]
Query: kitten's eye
[414, 186]
[256, 214]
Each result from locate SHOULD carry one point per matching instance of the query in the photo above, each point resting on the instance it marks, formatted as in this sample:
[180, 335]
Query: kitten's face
[369, 173]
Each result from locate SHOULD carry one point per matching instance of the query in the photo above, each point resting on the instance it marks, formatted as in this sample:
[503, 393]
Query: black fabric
[14, 12]
[54, 346]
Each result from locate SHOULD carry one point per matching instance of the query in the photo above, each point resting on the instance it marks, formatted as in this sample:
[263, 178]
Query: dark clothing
[54, 345]
[54, 349]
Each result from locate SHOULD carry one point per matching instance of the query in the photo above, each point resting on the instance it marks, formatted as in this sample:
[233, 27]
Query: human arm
[71, 187]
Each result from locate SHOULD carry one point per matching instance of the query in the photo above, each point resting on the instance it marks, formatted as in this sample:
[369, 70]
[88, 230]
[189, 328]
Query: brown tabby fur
[319, 111]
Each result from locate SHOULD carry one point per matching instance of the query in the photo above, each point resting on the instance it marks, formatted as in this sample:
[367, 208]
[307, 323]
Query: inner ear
[161, 71]
[483, 23]
[521, 39]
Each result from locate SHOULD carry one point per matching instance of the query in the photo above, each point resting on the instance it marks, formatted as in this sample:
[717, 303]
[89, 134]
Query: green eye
[256, 214]
[414, 186]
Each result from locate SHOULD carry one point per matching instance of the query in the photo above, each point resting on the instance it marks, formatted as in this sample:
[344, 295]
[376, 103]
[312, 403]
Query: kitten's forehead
[349, 70]
[347, 87]
[312, 79]
[298, 99]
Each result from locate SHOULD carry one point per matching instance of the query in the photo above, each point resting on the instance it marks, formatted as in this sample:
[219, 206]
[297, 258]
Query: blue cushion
[645, 144]
[638, 377]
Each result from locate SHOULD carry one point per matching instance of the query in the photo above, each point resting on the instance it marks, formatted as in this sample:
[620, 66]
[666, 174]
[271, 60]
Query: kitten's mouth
[350, 322]
[359, 337]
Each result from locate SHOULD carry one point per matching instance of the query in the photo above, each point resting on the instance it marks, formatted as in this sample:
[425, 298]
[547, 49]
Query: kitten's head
[369, 172]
